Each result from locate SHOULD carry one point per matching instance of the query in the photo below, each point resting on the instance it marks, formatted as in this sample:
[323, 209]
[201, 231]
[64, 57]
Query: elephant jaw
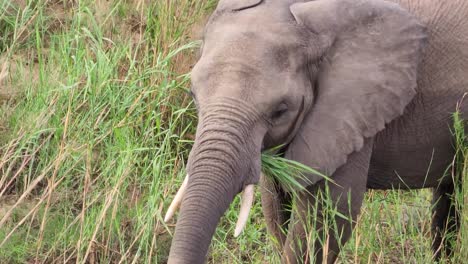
[247, 199]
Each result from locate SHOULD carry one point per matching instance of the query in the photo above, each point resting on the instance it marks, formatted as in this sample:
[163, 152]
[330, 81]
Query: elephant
[360, 90]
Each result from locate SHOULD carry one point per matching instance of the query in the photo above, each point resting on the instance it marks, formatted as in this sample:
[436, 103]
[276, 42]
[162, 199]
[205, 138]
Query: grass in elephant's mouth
[287, 173]
[95, 131]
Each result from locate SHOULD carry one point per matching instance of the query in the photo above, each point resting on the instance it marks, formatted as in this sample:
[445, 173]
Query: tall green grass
[99, 132]
[95, 126]
[460, 173]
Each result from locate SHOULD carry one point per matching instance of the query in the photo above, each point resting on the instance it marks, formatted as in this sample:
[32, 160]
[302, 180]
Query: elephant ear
[237, 5]
[366, 78]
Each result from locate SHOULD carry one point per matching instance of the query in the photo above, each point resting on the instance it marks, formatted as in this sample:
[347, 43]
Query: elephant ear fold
[366, 78]
[237, 5]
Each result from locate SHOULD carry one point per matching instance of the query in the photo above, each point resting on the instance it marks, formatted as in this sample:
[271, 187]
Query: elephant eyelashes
[194, 97]
[279, 112]
[192, 94]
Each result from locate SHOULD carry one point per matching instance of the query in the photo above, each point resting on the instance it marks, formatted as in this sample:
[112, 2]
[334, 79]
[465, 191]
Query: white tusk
[177, 200]
[246, 204]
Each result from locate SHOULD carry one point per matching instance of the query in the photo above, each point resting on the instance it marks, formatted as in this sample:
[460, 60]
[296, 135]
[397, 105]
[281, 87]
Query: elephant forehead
[228, 79]
[234, 43]
[237, 5]
[249, 15]
[251, 45]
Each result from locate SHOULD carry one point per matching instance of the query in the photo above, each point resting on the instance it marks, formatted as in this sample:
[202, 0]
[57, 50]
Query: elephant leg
[329, 212]
[276, 205]
[445, 219]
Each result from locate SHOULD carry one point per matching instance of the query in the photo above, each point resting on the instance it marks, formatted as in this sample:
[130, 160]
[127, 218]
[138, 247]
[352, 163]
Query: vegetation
[95, 127]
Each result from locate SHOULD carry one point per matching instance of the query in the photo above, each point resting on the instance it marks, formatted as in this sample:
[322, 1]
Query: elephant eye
[194, 97]
[279, 112]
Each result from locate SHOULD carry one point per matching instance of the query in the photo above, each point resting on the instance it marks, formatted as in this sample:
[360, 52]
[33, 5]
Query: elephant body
[361, 90]
[417, 147]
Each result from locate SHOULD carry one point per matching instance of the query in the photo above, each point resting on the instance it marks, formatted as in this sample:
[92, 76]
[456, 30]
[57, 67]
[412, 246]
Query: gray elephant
[362, 90]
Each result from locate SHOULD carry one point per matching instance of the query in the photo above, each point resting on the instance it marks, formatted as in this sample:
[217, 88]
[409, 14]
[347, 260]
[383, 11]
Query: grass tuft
[460, 176]
[288, 173]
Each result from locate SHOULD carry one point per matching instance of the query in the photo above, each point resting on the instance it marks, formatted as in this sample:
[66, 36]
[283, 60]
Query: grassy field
[95, 129]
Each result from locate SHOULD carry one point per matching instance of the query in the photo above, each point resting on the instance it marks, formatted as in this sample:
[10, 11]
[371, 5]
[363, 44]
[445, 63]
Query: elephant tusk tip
[168, 217]
[177, 200]
[237, 232]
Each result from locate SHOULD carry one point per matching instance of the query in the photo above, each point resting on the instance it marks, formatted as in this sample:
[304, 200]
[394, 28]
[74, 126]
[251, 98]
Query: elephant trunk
[207, 197]
[219, 166]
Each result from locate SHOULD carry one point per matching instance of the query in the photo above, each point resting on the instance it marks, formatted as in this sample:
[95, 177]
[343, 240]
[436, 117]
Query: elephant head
[318, 77]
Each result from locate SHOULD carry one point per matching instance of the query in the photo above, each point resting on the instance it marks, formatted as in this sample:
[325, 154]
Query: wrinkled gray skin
[361, 90]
